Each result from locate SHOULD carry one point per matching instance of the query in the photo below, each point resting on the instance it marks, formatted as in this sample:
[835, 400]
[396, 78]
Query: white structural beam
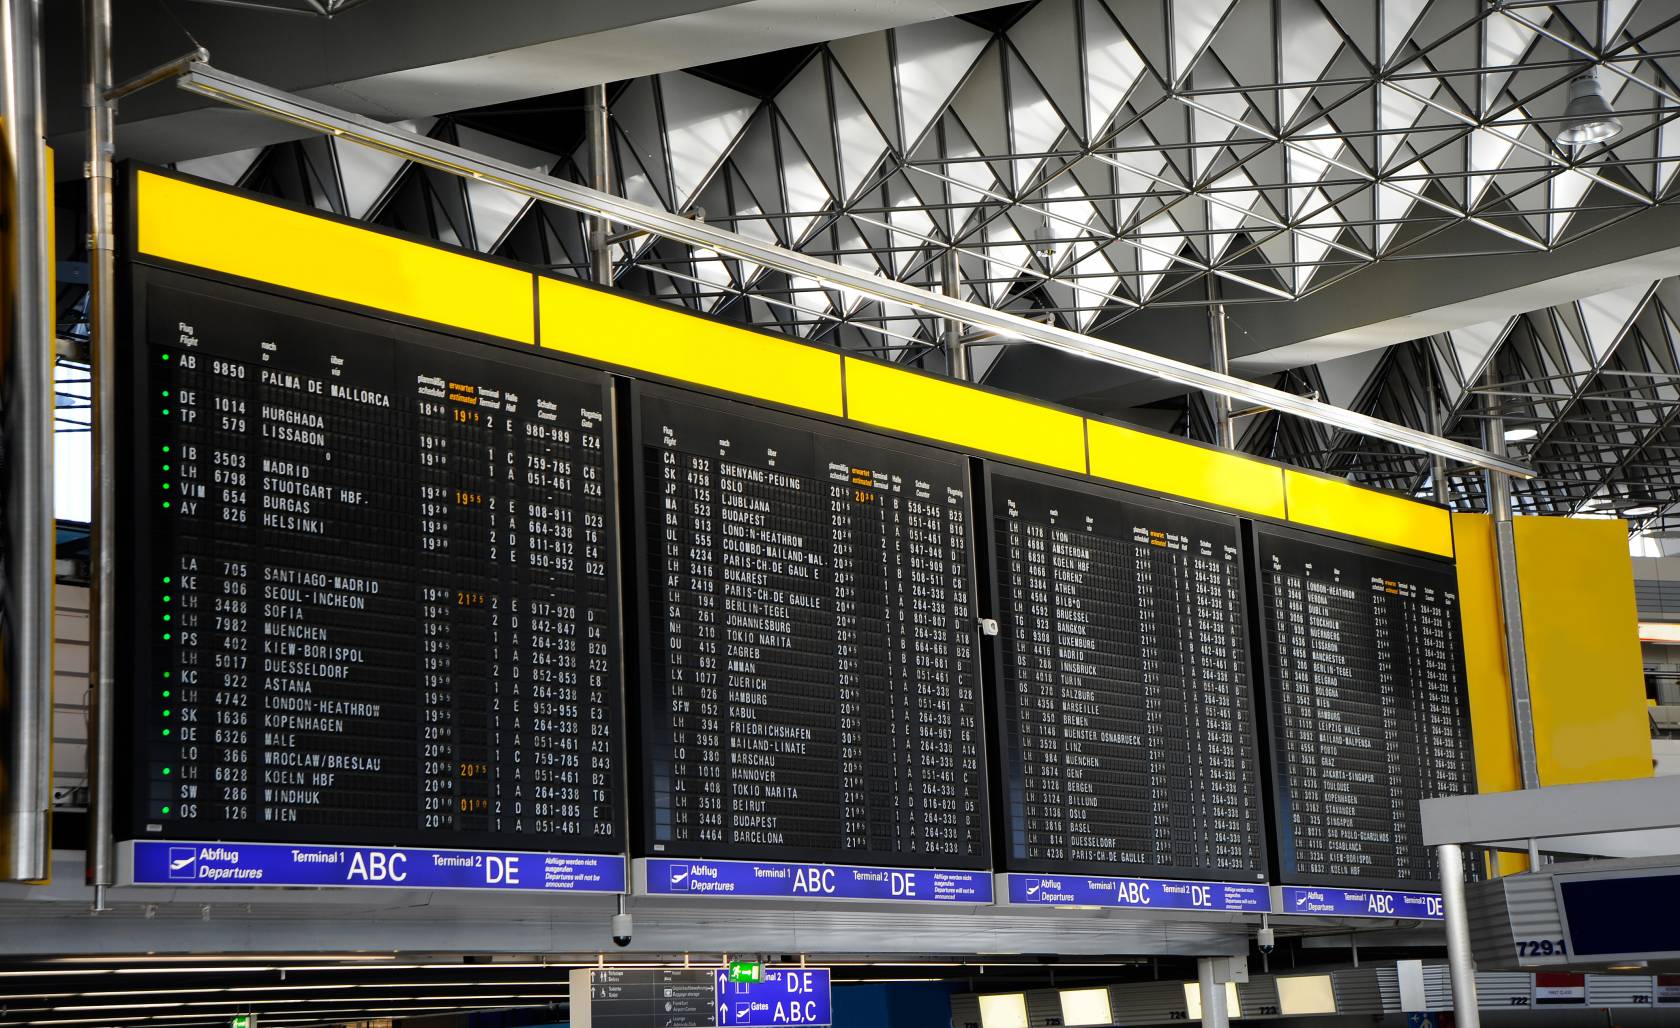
[1558, 812]
[243, 93]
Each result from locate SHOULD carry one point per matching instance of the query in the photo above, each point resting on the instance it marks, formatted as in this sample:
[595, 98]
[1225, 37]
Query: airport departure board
[809, 685]
[1366, 696]
[1122, 678]
[372, 575]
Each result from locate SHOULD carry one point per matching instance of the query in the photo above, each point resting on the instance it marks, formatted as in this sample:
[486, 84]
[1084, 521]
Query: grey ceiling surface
[1374, 187]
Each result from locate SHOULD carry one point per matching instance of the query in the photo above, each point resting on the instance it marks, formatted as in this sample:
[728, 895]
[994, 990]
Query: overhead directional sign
[665, 876]
[1321, 902]
[1138, 893]
[146, 862]
[785, 996]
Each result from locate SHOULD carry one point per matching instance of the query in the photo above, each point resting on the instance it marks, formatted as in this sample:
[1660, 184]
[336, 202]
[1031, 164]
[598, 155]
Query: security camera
[1266, 939]
[621, 927]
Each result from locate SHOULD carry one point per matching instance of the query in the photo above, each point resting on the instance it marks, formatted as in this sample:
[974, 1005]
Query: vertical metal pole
[1224, 431]
[1214, 1014]
[1510, 594]
[1459, 960]
[26, 392]
[101, 868]
[600, 177]
[956, 351]
[1437, 464]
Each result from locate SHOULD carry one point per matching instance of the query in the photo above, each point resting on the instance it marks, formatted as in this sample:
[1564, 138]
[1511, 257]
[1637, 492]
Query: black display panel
[1366, 702]
[372, 581]
[1126, 712]
[809, 682]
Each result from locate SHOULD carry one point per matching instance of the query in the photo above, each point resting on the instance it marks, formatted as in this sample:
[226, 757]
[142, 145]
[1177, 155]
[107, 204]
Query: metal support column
[102, 622]
[956, 351]
[1460, 963]
[1214, 1013]
[1437, 465]
[1224, 431]
[1510, 595]
[600, 178]
[26, 393]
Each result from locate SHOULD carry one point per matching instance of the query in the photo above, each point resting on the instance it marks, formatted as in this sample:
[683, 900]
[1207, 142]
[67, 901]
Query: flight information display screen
[1366, 697]
[1127, 713]
[372, 574]
[810, 683]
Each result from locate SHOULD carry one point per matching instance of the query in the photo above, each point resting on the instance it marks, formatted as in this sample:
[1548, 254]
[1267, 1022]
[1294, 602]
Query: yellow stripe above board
[237, 235]
[1181, 469]
[250, 238]
[951, 412]
[613, 329]
[1349, 509]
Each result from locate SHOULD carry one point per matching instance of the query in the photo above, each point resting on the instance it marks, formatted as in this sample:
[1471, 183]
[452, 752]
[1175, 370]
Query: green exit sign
[749, 972]
[244, 1021]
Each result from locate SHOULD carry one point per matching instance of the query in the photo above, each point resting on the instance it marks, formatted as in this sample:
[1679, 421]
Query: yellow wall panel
[1585, 674]
[1339, 506]
[963, 416]
[1183, 469]
[237, 235]
[665, 341]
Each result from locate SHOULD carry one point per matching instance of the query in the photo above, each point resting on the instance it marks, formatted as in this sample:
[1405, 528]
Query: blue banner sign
[786, 996]
[670, 876]
[1301, 899]
[1136, 893]
[263, 863]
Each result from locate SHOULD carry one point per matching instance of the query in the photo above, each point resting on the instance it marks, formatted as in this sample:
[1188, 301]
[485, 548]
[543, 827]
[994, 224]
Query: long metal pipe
[253, 96]
[1461, 964]
[26, 393]
[102, 349]
[598, 131]
[1510, 594]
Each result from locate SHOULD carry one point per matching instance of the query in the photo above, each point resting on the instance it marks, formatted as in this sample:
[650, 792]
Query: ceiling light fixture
[1589, 117]
[1643, 510]
[1520, 435]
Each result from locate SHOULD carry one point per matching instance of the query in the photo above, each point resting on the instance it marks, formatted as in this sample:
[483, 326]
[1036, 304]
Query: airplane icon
[1301, 900]
[181, 860]
[679, 876]
[1033, 887]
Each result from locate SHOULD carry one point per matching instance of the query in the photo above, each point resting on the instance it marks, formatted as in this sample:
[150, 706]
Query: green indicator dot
[166, 449]
[167, 637]
[166, 694]
[167, 617]
[166, 771]
[166, 675]
[166, 810]
[166, 713]
[166, 485]
[166, 356]
[166, 731]
[166, 392]
[166, 467]
[166, 579]
[166, 599]
[165, 504]
[166, 412]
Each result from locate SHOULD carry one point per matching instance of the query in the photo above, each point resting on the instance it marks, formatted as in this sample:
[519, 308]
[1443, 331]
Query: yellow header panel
[236, 235]
[1182, 469]
[665, 341]
[1586, 676]
[963, 416]
[1367, 514]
